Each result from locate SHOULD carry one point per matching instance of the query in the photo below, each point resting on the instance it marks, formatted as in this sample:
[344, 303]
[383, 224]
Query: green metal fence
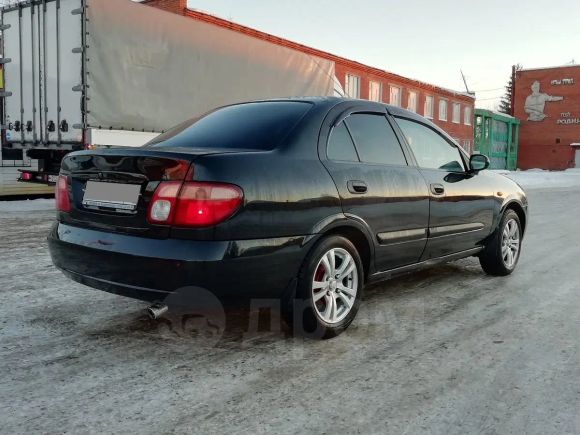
[496, 135]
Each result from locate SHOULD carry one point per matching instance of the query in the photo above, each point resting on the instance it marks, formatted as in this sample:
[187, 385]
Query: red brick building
[450, 110]
[547, 102]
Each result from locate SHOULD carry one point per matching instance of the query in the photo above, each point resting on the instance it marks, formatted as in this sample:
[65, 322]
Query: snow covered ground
[24, 206]
[445, 350]
[539, 178]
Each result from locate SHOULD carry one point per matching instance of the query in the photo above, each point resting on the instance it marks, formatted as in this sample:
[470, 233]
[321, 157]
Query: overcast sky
[424, 39]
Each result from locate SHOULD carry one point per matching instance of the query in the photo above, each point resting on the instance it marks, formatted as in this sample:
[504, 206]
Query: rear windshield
[259, 126]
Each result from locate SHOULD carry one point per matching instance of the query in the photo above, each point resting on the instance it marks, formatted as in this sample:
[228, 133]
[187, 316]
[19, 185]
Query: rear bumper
[157, 270]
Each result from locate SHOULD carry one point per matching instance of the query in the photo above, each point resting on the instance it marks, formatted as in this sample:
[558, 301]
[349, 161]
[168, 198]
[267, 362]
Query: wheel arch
[518, 208]
[358, 234]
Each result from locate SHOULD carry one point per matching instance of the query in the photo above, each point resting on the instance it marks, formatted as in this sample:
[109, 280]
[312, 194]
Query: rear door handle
[357, 187]
[437, 189]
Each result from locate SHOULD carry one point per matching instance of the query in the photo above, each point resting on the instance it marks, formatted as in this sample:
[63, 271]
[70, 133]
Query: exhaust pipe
[155, 311]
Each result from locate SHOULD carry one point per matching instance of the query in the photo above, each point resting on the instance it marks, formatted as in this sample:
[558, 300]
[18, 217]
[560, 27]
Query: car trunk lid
[110, 189]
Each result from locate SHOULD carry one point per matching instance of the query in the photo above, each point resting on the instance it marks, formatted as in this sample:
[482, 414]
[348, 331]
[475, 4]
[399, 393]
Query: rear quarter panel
[287, 191]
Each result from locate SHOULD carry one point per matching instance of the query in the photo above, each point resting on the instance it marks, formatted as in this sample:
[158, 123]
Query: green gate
[496, 136]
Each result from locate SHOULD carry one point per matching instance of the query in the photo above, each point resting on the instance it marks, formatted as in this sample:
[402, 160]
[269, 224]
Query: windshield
[261, 125]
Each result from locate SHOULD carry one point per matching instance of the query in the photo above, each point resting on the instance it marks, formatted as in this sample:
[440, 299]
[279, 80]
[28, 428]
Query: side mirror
[478, 162]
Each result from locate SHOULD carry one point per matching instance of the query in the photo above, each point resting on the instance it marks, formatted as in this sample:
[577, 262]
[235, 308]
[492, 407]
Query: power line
[491, 98]
[490, 90]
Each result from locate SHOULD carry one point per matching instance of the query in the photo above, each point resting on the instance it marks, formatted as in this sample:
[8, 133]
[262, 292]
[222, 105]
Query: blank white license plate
[111, 195]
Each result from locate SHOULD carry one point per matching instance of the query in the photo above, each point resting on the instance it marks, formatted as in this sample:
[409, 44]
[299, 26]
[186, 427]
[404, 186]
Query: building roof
[574, 65]
[208, 18]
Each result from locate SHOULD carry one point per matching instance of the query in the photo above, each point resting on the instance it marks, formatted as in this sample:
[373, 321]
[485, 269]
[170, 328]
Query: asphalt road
[447, 351]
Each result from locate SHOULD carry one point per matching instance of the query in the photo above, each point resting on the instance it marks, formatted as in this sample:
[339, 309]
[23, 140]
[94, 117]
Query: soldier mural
[536, 102]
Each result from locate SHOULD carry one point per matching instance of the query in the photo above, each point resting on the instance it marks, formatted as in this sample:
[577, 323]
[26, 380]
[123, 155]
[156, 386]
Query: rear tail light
[26, 176]
[193, 204]
[163, 204]
[61, 194]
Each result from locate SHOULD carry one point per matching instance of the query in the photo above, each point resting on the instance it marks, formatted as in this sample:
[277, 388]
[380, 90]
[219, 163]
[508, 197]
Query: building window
[375, 91]
[456, 115]
[442, 110]
[467, 115]
[352, 86]
[395, 96]
[428, 108]
[412, 101]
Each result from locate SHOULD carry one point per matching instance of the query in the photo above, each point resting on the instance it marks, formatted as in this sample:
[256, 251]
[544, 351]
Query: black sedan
[304, 200]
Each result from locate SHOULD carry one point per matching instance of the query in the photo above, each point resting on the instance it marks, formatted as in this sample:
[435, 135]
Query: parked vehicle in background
[90, 73]
[304, 200]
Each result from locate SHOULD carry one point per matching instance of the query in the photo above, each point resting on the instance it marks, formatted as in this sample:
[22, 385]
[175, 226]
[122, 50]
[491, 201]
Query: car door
[377, 186]
[461, 207]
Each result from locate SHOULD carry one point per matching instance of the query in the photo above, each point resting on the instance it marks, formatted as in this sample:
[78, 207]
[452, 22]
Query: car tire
[502, 253]
[327, 295]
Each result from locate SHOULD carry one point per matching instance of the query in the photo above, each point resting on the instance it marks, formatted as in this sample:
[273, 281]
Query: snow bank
[541, 179]
[25, 206]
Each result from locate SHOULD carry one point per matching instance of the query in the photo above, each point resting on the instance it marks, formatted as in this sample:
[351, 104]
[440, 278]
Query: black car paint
[293, 196]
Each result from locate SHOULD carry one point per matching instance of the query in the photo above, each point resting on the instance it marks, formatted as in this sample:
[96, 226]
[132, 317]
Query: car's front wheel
[329, 289]
[501, 254]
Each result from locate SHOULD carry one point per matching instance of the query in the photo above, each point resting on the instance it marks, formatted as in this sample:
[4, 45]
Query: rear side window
[375, 140]
[341, 146]
[431, 150]
[261, 126]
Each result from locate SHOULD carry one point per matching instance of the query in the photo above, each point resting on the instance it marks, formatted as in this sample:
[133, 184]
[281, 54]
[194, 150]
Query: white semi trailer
[85, 73]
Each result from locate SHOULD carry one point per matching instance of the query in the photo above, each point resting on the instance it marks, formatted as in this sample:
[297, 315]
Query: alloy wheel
[510, 243]
[335, 285]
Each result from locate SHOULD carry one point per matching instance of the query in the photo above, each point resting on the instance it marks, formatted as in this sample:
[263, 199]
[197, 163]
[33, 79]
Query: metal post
[3, 99]
[84, 67]
[21, 75]
[517, 143]
[58, 108]
[491, 141]
[40, 83]
[509, 147]
[45, 74]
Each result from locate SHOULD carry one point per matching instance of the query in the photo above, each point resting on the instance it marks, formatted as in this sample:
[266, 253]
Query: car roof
[326, 103]
[332, 101]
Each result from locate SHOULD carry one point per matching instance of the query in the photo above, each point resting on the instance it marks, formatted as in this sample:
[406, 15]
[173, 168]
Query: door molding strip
[450, 230]
[392, 237]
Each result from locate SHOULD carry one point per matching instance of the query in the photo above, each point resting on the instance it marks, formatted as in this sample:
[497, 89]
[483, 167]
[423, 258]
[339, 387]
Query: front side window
[467, 146]
[431, 150]
[442, 110]
[352, 86]
[340, 145]
[375, 140]
[428, 109]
